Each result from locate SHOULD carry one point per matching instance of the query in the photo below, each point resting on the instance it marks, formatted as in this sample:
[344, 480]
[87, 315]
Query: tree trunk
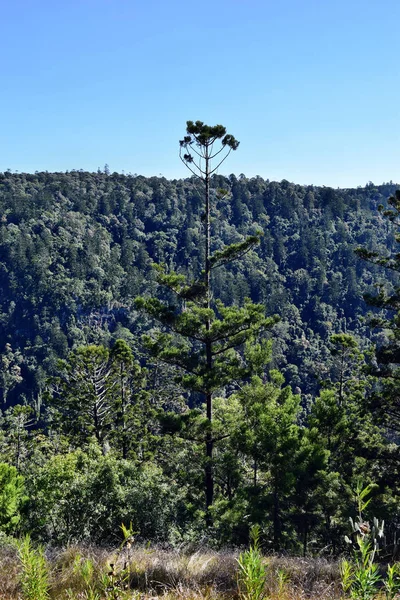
[209, 478]
[276, 519]
[305, 537]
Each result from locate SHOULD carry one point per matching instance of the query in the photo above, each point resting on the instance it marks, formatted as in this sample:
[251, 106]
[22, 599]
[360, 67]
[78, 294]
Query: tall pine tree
[202, 336]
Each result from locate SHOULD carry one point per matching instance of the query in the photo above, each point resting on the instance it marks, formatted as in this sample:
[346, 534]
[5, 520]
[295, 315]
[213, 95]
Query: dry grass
[174, 575]
[306, 578]
[9, 572]
[66, 569]
[217, 571]
[160, 570]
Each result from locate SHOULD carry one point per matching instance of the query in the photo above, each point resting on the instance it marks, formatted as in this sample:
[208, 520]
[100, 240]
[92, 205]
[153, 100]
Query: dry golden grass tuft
[155, 573]
[69, 567]
[165, 570]
[305, 577]
[9, 572]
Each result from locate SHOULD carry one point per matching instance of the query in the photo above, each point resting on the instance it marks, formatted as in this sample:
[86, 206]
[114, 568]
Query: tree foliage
[104, 432]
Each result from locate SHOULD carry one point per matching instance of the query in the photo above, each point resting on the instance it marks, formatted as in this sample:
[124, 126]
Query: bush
[81, 497]
[11, 497]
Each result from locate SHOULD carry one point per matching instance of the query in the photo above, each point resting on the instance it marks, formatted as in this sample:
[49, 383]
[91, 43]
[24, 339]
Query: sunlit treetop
[199, 141]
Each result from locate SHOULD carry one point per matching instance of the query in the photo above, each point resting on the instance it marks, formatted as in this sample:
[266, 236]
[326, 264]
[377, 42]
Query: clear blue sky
[311, 88]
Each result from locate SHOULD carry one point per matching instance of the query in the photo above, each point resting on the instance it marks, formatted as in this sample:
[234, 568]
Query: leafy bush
[86, 496]
[11, 497]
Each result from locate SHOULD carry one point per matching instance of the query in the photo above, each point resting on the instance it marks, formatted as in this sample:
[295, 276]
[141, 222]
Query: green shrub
[84, 497]
[34, 577]
[361, 578]
[11, 497]
[252, 573]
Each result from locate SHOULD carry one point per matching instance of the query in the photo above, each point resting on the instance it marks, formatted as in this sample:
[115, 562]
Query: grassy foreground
[143, 573]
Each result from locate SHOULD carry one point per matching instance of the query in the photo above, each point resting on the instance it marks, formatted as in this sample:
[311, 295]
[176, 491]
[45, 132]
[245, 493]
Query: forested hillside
[102, 432]
[76, 248]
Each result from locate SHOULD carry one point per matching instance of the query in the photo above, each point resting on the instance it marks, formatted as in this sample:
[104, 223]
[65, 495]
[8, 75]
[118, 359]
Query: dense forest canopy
[76, 248]
[104, 431]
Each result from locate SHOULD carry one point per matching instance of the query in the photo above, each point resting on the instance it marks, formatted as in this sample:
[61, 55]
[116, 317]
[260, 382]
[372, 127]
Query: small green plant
[282, 580]
[34, 577]
[347, 576]
[252, 572]
[361, 578]
[83, 568]
[392, 581]
[117, 580]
